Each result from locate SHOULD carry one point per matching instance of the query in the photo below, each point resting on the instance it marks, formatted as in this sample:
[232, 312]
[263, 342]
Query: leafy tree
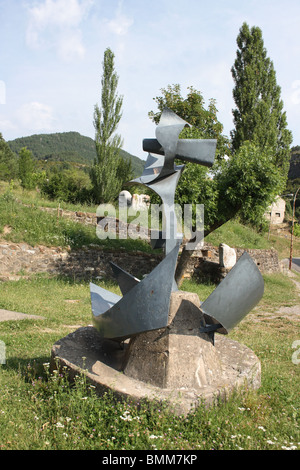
[26, 169]
[109, 170]
[8, 161]
[204, 122]
[259, 115]
[243, 183]
[195, 184]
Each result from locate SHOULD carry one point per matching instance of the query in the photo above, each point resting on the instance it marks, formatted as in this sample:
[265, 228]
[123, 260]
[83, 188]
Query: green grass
[235, 234]
[240, 236]
[36, 227]
[40, 410]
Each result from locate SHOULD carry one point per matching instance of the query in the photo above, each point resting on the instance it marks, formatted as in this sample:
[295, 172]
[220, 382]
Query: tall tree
[26, 169]
[259, 115]
[8, 161]
[107, 174]
[244, 183]
[195, 185]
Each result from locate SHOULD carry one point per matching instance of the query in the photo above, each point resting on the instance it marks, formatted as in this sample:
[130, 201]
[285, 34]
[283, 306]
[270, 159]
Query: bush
[69, 186]
[297, 230]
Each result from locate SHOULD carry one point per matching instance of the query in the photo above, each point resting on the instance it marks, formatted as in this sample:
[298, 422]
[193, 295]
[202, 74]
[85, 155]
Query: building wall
[276, 212]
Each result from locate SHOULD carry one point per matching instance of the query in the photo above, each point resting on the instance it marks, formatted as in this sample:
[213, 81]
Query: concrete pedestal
[176, 363]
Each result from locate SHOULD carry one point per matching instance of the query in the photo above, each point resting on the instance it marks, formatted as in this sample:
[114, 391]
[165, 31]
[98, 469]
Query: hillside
[67, 147]
[294, 171]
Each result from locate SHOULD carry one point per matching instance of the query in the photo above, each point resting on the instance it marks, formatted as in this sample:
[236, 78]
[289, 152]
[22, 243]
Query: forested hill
[67, 147]
[294, 171]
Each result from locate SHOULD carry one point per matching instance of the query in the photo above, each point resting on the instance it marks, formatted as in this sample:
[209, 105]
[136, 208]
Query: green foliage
[192, 110]
[196, 185]
[72, 186]
[67, 147]
[60, 146]
[294, 171]
[259, 115]
[27, 166]
[248, 182]
[8, 162]
[297, 230]
[109, 171]
[244, 183]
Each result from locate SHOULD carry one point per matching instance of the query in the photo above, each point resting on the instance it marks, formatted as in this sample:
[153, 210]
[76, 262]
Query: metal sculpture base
[177, 364]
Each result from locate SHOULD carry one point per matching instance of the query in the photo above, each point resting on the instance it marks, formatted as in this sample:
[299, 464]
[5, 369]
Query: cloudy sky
[51, 54]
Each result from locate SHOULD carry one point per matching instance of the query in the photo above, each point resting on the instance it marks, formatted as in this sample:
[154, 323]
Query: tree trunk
[186, 254]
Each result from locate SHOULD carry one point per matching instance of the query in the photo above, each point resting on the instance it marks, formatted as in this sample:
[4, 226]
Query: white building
[276, 211]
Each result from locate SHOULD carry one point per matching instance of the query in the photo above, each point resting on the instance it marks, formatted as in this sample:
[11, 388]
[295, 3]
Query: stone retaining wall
[19, 259]
[205, 266]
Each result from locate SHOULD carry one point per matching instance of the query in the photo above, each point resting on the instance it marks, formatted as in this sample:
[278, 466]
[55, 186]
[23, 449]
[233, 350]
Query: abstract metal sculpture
[145, 304]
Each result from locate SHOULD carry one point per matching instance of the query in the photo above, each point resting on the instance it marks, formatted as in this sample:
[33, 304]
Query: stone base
[177, 364]
[178, 356]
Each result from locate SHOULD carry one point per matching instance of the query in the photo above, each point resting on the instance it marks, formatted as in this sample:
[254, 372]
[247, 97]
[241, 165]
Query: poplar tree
[8, 161]
[259, 116]
[27, 167]
[109, 170]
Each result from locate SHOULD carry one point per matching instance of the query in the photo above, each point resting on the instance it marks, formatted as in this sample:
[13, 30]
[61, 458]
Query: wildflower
[262, 428]
[59, 425]
[127, 416]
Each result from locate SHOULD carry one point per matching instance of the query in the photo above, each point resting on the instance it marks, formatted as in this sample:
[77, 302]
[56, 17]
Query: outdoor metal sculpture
[145, 304]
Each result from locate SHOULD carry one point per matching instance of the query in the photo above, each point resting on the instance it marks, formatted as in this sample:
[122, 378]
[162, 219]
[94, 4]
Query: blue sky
[51, 57]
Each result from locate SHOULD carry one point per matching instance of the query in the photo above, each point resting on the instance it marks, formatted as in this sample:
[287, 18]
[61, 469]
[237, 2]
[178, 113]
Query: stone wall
[19, 259]
[204, 265]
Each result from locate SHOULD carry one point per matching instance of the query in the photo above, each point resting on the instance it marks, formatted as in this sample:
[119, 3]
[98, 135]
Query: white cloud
[295, 95]
[121, 23]
[35, 116]
[70, 46]
[56, 23]
[6, 124]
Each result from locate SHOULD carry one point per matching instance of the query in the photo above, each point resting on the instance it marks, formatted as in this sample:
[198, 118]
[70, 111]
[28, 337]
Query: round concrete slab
[101, 360]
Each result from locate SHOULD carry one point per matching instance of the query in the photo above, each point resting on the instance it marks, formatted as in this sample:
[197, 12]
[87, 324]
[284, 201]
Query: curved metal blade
[125, 280]
[145, 307]
[235, 296]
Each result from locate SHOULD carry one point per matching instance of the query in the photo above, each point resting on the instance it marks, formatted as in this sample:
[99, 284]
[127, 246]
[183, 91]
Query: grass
[41, 410]
[47, 229]
[36, 227]
[234, 234]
